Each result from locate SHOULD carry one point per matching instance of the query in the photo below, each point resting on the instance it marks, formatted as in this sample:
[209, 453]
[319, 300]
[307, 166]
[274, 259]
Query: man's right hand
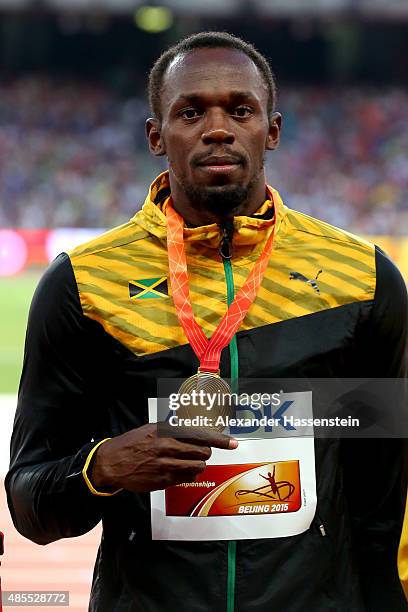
[140, 460]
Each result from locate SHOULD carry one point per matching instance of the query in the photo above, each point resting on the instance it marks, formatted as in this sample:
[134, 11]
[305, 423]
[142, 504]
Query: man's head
[213, 98]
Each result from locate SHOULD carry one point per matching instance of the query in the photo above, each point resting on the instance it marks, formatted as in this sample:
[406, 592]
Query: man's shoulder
[109, 241]
[300, 222]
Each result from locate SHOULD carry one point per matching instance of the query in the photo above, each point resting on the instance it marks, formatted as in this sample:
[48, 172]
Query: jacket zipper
[319, 525]
[226, 254]
[322, 530]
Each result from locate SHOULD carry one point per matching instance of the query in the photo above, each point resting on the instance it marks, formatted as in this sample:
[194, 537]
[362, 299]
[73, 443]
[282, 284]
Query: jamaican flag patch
[148, 288]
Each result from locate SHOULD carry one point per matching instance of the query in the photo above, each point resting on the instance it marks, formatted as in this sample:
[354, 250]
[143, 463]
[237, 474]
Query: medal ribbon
[208, 351]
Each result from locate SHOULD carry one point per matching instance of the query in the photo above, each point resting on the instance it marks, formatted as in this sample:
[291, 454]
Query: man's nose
[217, 129]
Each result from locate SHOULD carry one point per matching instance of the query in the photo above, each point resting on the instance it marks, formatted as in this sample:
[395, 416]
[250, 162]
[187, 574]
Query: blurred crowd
[74, 155]
[344, 157]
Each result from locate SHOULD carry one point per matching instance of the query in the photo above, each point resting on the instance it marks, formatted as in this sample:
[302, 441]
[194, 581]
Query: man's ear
[275, 125]
[154, 137]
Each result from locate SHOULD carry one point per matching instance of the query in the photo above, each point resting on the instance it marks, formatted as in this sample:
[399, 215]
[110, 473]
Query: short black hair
[204, 40]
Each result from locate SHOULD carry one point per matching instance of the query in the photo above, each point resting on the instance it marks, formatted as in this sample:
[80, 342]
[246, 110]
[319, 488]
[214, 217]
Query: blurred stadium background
[73, 158]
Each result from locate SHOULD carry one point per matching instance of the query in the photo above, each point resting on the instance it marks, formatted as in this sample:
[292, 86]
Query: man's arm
[56, 424]
[373, 468]
[62, 415]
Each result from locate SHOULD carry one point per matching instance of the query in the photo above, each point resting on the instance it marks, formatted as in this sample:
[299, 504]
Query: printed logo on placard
[241, 489]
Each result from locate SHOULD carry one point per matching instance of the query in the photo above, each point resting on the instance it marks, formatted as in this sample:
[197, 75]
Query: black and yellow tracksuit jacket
[103, 328]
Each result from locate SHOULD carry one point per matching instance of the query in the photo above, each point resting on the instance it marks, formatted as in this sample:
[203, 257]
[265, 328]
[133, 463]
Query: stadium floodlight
[154, 19]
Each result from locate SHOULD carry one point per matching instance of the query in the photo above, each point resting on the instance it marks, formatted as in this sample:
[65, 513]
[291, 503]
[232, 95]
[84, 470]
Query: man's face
[215, 127]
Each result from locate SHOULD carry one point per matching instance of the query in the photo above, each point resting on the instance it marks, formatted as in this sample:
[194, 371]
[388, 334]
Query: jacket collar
[248, 230]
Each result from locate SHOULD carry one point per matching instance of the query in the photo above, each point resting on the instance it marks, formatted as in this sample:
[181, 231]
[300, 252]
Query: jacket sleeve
[373, 468]
[59, 416]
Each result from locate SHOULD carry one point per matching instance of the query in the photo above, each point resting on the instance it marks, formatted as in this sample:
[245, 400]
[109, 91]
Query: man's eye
[189, 113]
[242, 111]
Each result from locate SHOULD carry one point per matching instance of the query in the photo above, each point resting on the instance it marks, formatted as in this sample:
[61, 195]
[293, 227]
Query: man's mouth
[220, 164]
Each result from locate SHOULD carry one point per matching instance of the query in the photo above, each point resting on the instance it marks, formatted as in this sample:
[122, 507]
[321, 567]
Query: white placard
[266, 488]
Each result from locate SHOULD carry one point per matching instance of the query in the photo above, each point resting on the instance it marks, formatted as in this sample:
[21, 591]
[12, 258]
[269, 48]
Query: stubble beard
[223, 201]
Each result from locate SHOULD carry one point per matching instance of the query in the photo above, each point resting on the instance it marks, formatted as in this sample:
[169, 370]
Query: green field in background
[15, 298]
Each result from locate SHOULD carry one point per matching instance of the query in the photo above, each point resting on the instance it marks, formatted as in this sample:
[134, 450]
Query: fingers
[165, 473]
[177, 471]
[178, 466]
[206, 437]
[184, 450]
[198, 436]
[144, 459]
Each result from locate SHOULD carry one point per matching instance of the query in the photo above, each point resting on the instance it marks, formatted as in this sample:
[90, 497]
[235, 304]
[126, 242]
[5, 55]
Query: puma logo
[309, 281]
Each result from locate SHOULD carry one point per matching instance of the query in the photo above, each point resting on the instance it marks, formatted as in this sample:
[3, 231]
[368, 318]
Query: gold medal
[210, 396]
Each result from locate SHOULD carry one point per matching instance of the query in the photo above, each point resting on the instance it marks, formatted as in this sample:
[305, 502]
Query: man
[103, 329]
